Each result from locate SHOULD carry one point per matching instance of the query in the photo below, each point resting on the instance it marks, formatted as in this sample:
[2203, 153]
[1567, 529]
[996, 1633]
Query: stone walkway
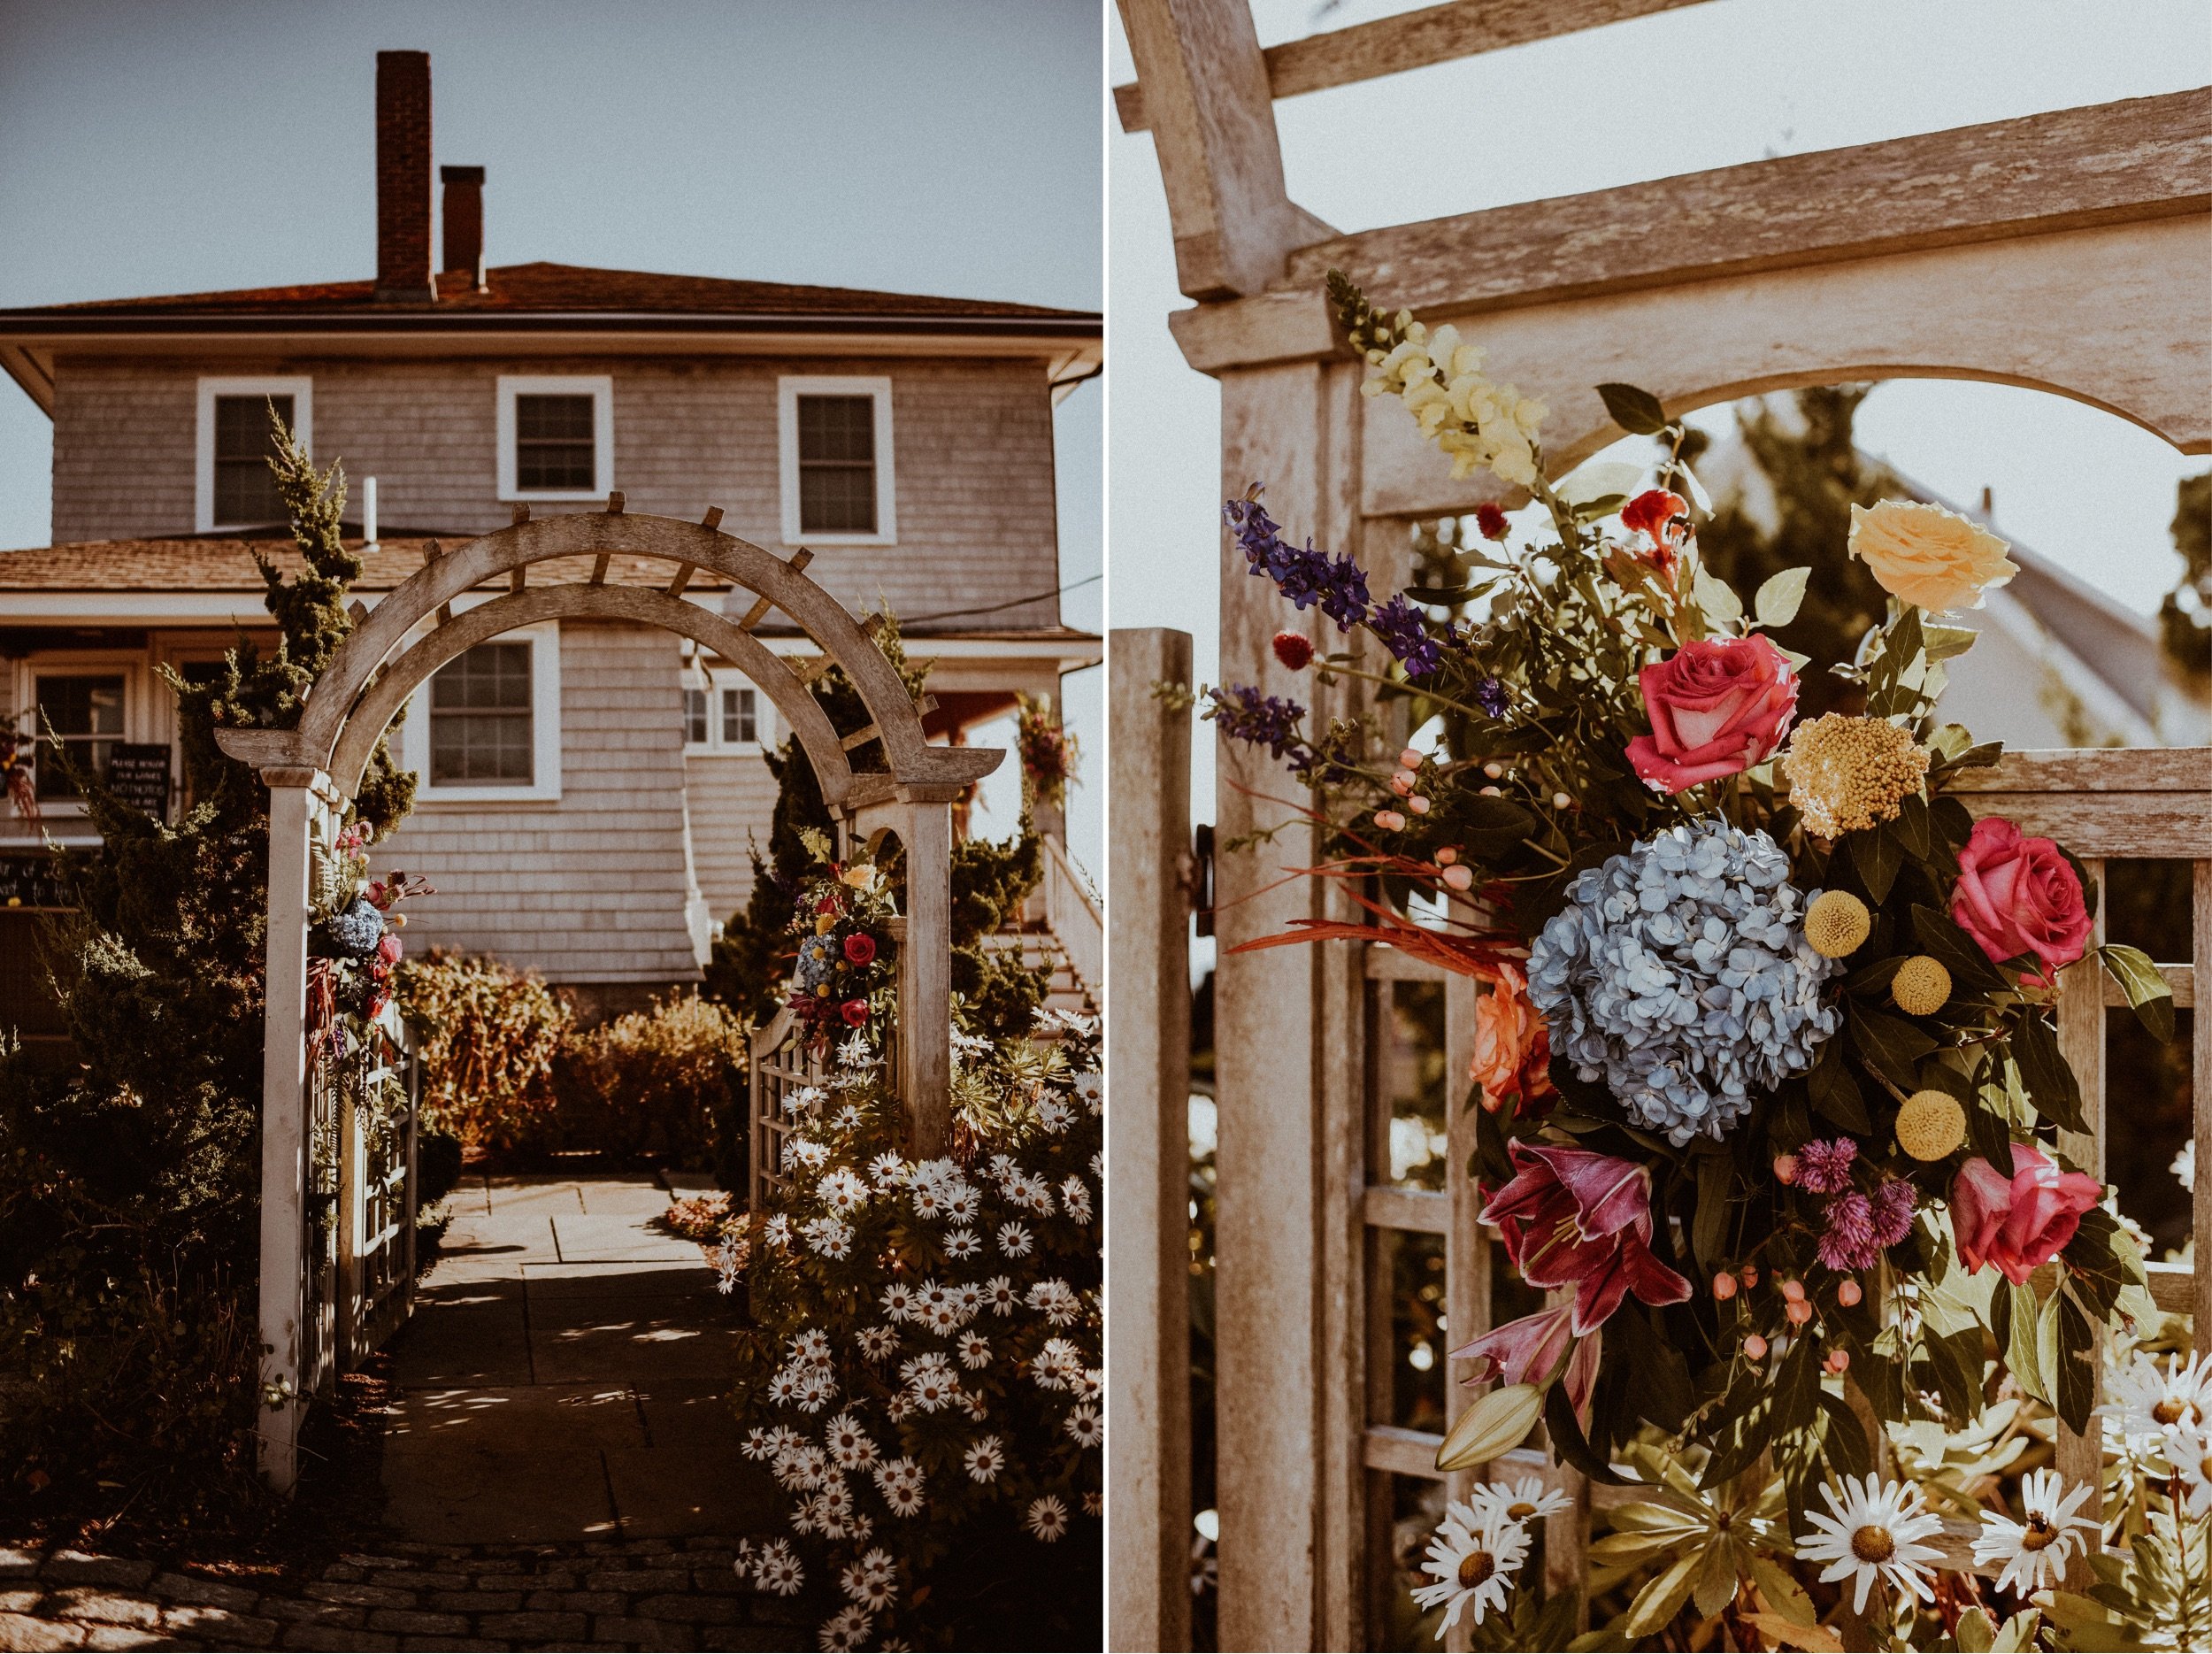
[559, 1468]
[563, 1377]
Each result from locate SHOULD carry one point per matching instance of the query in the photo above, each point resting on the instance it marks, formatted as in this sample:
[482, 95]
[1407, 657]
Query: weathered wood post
[925, 977]
[1146, 1228]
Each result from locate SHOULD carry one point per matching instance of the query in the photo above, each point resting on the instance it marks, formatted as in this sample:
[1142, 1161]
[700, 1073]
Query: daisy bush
[923, 1373]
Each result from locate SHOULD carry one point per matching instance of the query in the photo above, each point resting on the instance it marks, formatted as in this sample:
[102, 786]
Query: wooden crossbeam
[518, 577]
[759, 613]
[599, 570]
[713, 519]
[1413, 40]
[861, 737]
[615, 503]
[683, 579]
[521, 515]
[431, 552]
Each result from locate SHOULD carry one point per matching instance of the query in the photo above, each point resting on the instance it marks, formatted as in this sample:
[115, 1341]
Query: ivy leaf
[2050, 1083]
[2148, 994]
[1634, 409]
[1779, 598]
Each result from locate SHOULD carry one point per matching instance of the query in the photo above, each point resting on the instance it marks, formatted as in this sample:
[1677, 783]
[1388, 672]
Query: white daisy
[1527, 1500]
[1055, 1301]
[783, 1390]
[898, 1301]
[975, 1351]
[842, 1191]
[927, 1202]
[848, 1444]
[744, 1563]
[2148, 1400]
[777, 1232]
[888, 1170]
[848, 1118]
[960, 1244]
[2190, 1453]
[813, 1344]
[756, 1445]
[876, 1343]
[1001, 1167]
[967, 1301]
[817, 1390]
[804, 1098]
[2184, 1165]
[1077, 1198]
[778, 1569]
[904, 1498]
[998, 1291]
[1088, 1383]
[1474, 1557]
[1094, 1503]
[898, 1407]
[846, 1628]
[962, 1206]
[804, 1151]
[986, 1459]
[1874, 1534]
[829, 1237]
[1053, 1115]
[1083, 1424]
[1013, 1240]
[2035, 1548]
[972, 1405]
[865, 1588]
[1048, 1518]
[856, 1052]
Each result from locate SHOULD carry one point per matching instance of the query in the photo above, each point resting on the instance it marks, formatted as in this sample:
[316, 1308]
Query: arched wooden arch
[313, 770]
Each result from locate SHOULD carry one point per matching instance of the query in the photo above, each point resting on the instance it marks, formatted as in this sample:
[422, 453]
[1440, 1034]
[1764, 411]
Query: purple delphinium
[1490, 696]
[1825, 1168]
[1243, 713]
[1304, 575]
[1404, 632]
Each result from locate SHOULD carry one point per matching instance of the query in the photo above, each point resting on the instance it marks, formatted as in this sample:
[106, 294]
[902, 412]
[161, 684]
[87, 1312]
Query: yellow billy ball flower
[1931, 1125]
[823, 925]
[1837, 923]
[1921, 986]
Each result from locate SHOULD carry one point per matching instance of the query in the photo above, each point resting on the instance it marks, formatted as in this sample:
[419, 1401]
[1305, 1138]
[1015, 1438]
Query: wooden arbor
[2065, 251]
[312, 770]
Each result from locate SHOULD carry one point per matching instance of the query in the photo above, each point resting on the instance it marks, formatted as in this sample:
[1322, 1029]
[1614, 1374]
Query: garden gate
[313, 770]
[2063, 251]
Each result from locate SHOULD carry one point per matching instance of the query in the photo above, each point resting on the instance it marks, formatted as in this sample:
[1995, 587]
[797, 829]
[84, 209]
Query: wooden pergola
[2067, 251]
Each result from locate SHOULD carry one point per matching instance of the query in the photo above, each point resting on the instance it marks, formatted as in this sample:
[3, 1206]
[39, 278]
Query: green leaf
[1954, 950]
[2022, 1357]
[2077, 1362]
[1708, 1232]
[1797, 1388]
[1956, 1359]
[2148, 994]
[1892, 1044]
[1877, 858]
[1572, 1446]
[1716, 598]
[1715, 1585]
[1849, 1452]
[1945, 642]
[1911, 825]
[1835, 1093]
[1779, 598]
[1975, 1633]
[1634, 409]
[1989, 1137]
[2050, 1083]
[1662, 1598]
[1754, 1431]
[1782, 1591]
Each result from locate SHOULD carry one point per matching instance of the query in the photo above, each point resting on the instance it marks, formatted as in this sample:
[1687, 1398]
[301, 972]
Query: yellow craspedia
[1931, 1125]
[823, 925]
[1837, 923]
[1921, 986]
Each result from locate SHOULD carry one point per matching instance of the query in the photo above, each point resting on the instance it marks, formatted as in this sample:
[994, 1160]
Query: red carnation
[1490, 519]
[859, 948]
[1293, 649]
[855, 1012]
[1662, 517]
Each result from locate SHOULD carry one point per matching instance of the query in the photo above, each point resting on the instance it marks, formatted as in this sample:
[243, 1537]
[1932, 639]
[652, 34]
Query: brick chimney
[403, 270]
[464, 221]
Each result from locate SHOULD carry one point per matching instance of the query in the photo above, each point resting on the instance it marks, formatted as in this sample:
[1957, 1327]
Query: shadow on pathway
[562, 1378]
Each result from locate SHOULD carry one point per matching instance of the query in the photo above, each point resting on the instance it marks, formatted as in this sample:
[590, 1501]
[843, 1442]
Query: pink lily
[1573, 1218]
[1529, 1352]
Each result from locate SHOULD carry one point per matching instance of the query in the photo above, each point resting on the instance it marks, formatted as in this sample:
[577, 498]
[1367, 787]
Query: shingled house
[588, 791]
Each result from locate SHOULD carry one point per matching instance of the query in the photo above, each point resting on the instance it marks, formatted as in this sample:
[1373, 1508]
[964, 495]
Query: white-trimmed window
[834, 444]
[556, 436]
[726, 714]
[235, 488]
[487, 727]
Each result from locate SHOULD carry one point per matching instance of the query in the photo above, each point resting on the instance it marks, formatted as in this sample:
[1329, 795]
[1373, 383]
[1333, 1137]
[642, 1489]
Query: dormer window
[838, 483]
[556, 436]
[235, 488]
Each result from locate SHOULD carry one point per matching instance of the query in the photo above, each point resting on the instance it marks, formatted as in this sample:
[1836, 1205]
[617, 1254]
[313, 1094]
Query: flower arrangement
[1047, 749]
[923, 1375]
[844, 956]
[1770, 1010]
[355, 941]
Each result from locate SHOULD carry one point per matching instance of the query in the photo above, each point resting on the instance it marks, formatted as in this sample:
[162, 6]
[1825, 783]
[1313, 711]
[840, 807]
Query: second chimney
[404, 273]
[464, 221]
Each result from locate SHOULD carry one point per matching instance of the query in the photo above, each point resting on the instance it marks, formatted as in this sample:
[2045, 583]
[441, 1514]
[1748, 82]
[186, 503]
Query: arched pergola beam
[374, 713]
[909, 755]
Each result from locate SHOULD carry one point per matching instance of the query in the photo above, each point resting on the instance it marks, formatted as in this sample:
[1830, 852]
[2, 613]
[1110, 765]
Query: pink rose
[2021, 1223]
[1717, 707]
[2017, 895]
[1512, 1046]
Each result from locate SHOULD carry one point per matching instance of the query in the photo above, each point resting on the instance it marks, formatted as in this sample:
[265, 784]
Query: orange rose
[1512, 1045]
[1926, 556]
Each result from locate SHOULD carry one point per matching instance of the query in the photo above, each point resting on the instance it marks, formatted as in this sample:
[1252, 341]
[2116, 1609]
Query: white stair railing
[1070, 912]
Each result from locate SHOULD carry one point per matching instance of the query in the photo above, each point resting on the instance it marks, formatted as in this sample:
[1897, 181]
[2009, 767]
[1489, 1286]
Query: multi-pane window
[837, 465]
[740, 718]
[86, 714]
[245, 492]
[480, 718]
[695, 717]
[554, 442]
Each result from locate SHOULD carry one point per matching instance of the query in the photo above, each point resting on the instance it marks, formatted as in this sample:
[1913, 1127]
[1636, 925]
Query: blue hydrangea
[359, 930]
[1679, 974]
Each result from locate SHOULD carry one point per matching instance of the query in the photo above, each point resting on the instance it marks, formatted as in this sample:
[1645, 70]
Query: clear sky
[1713, 85]
[950, 149]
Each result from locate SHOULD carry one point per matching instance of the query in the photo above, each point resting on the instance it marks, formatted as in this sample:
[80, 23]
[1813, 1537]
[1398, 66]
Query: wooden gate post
[284, 1146]
[925, 977]
[1147, 1226]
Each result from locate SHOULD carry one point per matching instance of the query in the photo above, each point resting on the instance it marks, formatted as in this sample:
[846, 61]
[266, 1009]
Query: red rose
[1662, 517]
[1293, 649]
[855, 1012]
[1717, 707]
[2021, 1222]
[1490, 521]
[2017, 895]
[859, 948]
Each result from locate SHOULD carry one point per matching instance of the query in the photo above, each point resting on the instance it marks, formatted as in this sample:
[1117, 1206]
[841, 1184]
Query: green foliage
[128, 1188]
[488, 1037]
[2185, 617]
[670, 1082]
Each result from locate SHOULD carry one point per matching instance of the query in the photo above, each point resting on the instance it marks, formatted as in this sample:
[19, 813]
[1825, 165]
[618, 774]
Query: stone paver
[562, 1377]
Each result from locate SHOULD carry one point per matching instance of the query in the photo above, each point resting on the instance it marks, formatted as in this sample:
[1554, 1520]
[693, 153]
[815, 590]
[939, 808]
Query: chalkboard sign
[28, 881]
[138, 774]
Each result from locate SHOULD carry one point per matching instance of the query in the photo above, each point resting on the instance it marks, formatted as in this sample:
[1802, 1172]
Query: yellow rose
[1926, 556]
